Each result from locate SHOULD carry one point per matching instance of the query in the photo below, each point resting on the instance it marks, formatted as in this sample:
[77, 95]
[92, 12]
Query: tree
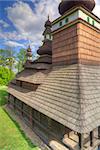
[7, 58]
[6, 75]
[21, 59]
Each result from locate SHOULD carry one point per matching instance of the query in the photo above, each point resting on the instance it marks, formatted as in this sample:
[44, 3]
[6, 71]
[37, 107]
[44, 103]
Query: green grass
[11, 136]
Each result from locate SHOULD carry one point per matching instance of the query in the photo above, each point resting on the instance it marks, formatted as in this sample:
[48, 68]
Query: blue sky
[22, 21]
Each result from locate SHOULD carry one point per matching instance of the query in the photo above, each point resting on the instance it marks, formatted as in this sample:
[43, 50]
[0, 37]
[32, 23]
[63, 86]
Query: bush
[6, 75]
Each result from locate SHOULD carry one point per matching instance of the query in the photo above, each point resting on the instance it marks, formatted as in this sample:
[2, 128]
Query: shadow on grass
[3, 97]
[21, 131]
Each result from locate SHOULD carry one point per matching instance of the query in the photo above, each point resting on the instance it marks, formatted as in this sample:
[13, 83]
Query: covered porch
[53, 133]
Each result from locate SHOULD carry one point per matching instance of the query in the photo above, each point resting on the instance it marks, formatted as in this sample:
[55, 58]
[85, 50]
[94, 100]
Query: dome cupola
[65, 5]
[46, 48]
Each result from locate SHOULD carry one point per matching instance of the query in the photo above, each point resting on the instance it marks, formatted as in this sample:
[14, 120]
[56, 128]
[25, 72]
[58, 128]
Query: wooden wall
[27, 85]
[65, 46]
[35, 119]
[88, 45]
[77, 43]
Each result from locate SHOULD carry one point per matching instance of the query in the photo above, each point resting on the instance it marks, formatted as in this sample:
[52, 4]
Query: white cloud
[4, 24]
[29, 23]
[25, 20]
[96, 10]
[13, 44]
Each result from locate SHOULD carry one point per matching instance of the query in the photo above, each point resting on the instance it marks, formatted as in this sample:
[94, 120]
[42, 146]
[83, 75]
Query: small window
[93, 22]
[60, 23]
[66, 20]
[88, 19]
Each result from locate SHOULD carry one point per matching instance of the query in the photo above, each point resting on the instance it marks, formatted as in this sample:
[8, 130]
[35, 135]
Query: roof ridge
[80, 97]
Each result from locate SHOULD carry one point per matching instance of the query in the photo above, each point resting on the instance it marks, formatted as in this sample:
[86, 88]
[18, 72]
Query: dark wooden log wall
[35, 119]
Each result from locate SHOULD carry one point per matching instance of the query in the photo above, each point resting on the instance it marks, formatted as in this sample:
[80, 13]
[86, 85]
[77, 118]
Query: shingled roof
[71, 96]
[32, 76]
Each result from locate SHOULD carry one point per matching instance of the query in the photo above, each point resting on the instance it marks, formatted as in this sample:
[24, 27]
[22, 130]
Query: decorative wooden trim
[79, 20]
[72, 10]
[81, 139]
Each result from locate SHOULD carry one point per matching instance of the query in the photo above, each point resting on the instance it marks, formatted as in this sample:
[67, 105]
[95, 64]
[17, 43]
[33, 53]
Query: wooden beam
[91, 138]
[99, 132]
[30, 116]
[22, 109]
[8, 98]
[14, 103]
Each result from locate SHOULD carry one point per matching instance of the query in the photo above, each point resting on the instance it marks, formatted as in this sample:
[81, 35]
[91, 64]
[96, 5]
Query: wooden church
[58, 95]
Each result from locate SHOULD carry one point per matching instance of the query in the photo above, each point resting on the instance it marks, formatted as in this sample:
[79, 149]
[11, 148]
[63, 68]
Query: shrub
[6, 75]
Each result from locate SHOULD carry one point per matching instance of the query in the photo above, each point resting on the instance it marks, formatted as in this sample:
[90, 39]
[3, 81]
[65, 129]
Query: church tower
[76, 33]
[76, 42]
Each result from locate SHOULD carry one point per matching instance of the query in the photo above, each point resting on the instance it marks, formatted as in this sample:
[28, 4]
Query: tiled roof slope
[22, 94]
[32, 76]
[71, 96]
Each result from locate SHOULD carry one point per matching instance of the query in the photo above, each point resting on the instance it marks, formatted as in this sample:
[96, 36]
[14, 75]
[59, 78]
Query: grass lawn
[11, 138]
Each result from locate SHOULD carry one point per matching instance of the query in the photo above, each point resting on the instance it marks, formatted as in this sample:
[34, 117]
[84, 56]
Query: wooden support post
[14, 103]
[22, 109]
[99, 132]
[81, 139]
[31, 116]
[8, 99]
[91, 138]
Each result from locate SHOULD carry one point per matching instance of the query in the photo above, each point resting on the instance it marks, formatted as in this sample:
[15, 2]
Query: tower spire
[48, 17]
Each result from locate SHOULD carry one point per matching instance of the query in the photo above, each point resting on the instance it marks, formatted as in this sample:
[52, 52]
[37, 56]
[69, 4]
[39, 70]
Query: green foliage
[7, 58]
[3, 95]
[6, 75]
[21, 59]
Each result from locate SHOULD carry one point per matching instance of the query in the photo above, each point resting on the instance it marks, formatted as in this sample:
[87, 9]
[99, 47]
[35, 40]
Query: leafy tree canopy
[6, 75]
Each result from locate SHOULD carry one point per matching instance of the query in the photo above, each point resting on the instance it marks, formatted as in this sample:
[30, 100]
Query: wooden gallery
[58, 95]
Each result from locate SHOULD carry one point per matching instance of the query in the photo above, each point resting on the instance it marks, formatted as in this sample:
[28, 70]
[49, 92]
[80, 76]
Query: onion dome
[48, 26]
[65, 5]
[46, 48]
[29, 53]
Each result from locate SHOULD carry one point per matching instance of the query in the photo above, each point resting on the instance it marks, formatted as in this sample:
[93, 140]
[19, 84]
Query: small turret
[29, 54]
[47, 33]
[45, 51]
[46, 48]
